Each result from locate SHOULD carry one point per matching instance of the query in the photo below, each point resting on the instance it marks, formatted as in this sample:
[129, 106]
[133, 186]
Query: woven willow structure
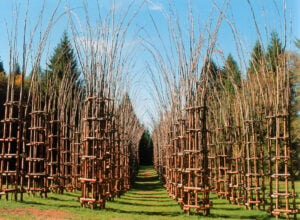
[11, 143]
[216, 133]
[238, 147]
[36, 149]
[221, 132]
[73, 129]
[90, 145]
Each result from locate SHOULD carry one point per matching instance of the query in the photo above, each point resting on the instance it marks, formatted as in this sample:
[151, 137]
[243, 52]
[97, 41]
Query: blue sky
[269, 15]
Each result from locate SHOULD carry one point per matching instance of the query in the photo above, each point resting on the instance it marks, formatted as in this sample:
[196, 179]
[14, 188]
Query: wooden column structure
[76, 152]
[180, 168]
[281, 182]
[223, 163]
[236, 168]
[9, 153]
[37, 148]
[11, 148]
[53, 157]
[255, 165]
[93, 153]
[65, 174]
[196, 188]
[36, 154]
[212, 159]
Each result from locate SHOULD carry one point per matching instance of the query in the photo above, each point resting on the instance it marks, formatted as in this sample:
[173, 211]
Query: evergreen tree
[146, 149]
[256, 59]
[63, 59]
[297, 43]
[211, 69]
[17, 69]
[1, 67]
[231, 72]
[274, 52]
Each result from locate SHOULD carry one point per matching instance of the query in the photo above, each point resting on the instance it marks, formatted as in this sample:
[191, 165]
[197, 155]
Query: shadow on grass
[32, 203]
[147, 186]
[148, 179]
[228, 208]
[143, 195]
[235, 216]
[148, 199]
[137, 192]
[50, 205]
[158, 213]
[57, 199]
[138, 204]
[62, 200]
[71, 194]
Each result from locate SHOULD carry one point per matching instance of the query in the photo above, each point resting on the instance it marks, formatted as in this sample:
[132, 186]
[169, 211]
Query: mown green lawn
[147, 200]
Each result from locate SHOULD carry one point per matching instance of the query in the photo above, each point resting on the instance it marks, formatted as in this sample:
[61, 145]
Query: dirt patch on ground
[32, 213]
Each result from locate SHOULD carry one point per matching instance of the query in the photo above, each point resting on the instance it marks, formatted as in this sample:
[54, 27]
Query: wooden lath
[11, 143]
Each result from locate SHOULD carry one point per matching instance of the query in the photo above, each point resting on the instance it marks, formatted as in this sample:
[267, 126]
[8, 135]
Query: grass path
[146, 200]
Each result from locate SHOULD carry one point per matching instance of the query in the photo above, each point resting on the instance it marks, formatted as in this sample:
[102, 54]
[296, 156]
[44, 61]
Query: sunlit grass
[146, 200]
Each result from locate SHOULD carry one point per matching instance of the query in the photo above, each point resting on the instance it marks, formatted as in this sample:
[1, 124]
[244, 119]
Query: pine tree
[63, 60]
[256, 59]
[274, 52]
[17, 69]
[231, 74]
[297, 43]
[146, 149]
[210, 70]
[1, 67]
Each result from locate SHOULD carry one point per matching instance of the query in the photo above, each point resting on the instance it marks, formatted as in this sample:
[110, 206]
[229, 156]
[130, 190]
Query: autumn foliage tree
[3, 85]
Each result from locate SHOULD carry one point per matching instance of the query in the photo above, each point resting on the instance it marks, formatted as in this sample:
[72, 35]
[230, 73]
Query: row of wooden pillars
[59, 142]
[248, 162]
[237, 167]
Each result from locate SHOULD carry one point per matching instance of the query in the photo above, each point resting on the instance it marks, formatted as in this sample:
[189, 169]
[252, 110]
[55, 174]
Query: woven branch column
[11, 153]
[180, 167]
[223, 155]
[236, 168]
[53, 151]
[255, 165]
[196, 188]
[168, 162]
[172, 174]
[118, 170]
[76, 152]
[65, 175]
[75, 145]
[212, 159]
[112, 159]
[37, 152]
[93, 154]
[281, 182]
